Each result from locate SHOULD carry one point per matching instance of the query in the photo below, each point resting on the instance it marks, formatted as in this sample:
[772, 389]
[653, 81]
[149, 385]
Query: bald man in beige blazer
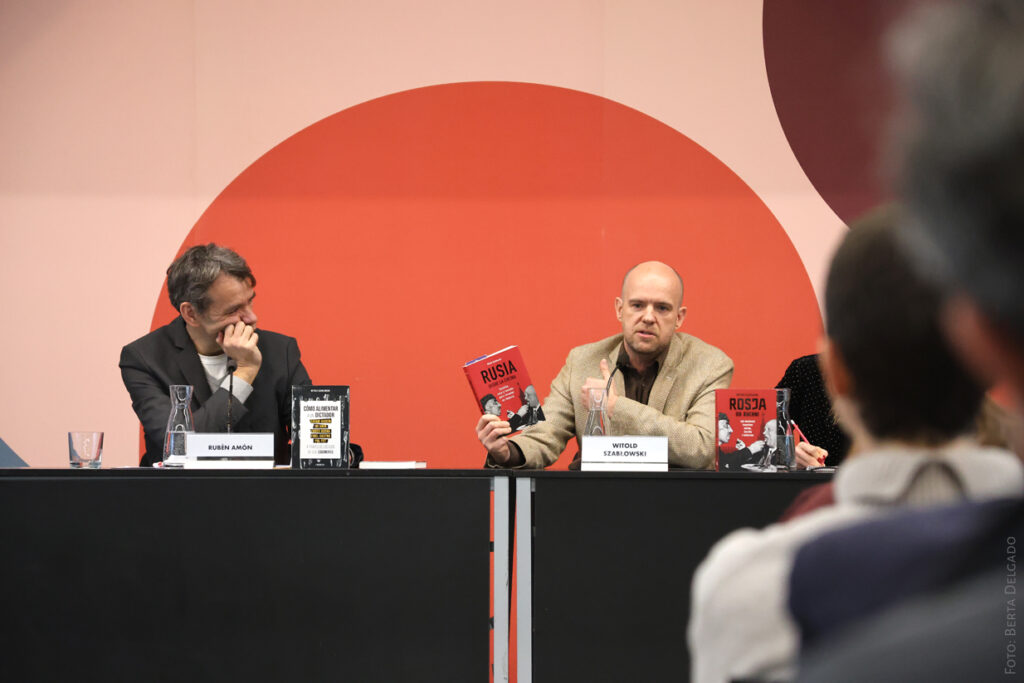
[664, 382]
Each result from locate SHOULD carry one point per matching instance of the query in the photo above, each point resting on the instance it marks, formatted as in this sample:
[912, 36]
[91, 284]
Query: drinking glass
[85, 449]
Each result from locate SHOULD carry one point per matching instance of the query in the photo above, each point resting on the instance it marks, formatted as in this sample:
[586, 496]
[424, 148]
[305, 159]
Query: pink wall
[121, 122]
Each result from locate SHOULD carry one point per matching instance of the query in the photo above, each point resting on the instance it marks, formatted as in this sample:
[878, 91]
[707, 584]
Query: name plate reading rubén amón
[624, 454]
[229, 451]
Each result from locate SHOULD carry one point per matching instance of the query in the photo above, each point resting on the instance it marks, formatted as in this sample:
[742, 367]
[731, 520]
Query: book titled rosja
[502, 387]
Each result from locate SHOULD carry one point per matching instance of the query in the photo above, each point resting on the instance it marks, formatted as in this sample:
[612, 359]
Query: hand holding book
[493, 434]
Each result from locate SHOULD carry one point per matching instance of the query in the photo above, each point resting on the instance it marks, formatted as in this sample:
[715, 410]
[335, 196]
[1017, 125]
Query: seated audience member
[907, 404]
[664, 382]
[826, 444]
[918, 596]
[992, 427]
[932, 595]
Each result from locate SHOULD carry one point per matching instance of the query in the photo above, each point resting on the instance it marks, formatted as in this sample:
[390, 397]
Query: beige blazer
[681, 405]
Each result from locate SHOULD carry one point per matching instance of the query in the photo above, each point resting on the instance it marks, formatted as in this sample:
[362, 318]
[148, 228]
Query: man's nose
[248, 315]
[649, 313]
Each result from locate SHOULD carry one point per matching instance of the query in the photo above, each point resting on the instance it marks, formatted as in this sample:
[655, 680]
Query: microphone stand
[232, 366]
[608, 386]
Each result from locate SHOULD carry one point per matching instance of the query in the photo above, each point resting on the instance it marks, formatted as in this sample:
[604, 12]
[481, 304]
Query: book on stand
[753, 429]
[502, 387]
[320, 428]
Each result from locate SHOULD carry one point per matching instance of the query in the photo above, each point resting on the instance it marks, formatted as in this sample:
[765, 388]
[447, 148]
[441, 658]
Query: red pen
[796, 428]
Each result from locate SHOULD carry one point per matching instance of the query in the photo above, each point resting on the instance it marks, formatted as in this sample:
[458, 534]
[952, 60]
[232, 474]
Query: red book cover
[502, 387]
[752, 430]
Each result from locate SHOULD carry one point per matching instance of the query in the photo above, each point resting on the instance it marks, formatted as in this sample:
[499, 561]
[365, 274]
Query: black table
[370, 576]
[142, 575]
[613, 556]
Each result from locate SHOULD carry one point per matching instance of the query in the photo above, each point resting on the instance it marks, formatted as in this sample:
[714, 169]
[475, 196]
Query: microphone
[232, 366]
[611, 375]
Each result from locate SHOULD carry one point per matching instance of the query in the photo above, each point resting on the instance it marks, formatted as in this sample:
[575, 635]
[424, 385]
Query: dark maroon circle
[833, 93]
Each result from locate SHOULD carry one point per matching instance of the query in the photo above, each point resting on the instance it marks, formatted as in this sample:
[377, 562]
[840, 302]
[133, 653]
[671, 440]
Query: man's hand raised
[239, 342]
[595, 383]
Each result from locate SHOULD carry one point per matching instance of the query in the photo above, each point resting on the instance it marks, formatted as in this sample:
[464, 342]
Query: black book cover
[320, 427]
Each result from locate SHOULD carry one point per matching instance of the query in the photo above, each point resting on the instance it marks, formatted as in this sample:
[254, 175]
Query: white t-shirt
[216, 369]
[740, 624]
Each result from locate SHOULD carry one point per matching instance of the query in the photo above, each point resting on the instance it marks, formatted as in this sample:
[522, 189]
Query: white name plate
[229, 451]
[624, 454]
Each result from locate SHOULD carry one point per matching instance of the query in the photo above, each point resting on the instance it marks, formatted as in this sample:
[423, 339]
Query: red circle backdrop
[404, 236]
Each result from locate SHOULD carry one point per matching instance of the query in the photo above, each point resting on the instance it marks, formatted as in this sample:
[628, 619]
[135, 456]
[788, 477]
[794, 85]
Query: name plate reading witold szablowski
[320, 427]
[624, 454]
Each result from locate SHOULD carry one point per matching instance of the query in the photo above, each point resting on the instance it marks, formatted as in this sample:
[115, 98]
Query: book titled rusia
[753, 429]
[502, 387]
[320, 427]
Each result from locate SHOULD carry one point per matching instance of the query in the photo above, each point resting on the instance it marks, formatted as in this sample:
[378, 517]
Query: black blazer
[167, 356]
[811, 409]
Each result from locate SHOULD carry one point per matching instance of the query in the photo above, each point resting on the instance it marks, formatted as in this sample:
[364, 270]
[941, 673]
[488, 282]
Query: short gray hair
[963, 157]
[190, 276]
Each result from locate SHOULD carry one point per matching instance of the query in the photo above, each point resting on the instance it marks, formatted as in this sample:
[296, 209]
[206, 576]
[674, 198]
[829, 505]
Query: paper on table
[392, 465]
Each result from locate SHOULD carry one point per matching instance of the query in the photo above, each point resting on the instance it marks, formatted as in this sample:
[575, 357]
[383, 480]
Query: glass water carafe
[597, 419]
[179, 421]
[784, 434]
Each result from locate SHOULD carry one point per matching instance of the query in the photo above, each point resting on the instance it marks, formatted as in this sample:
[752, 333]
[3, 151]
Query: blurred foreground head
[963, 171]
[891, 371]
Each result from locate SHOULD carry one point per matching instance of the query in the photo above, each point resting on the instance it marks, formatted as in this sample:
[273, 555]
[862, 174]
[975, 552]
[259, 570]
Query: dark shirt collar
[622, 362]
[637, 385]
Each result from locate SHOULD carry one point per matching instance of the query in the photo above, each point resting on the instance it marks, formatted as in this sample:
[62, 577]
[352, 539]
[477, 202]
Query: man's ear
[188, 313]
[838, 381]
[618, 308]
[985, 348]
[680, 316]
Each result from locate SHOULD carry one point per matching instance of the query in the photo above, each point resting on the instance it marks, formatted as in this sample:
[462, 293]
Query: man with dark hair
[211, 287]
[931, 596]
[883, 334]
[908, 406]
[662, 382]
